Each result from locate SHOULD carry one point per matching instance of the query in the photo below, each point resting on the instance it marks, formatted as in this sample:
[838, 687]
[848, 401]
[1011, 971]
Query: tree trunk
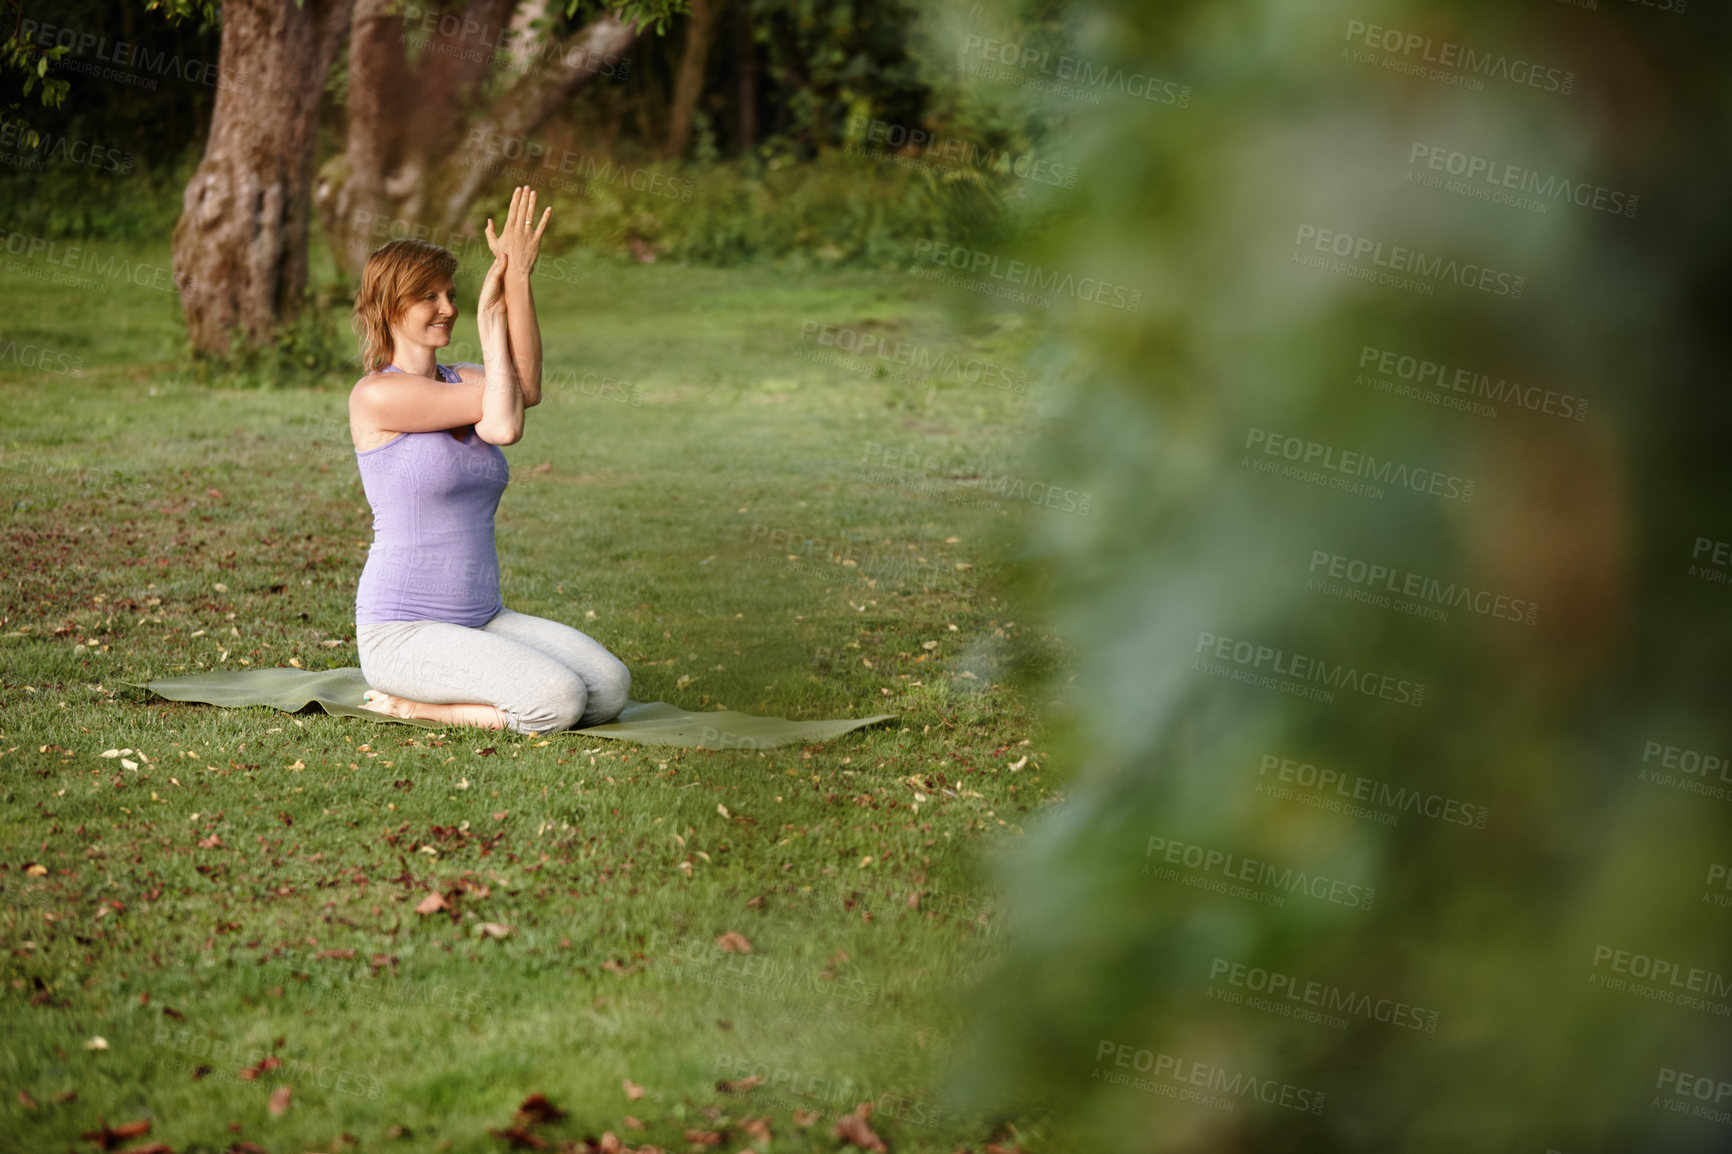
[240, 246]
[746, 59]
[689, 83]
[412, 167]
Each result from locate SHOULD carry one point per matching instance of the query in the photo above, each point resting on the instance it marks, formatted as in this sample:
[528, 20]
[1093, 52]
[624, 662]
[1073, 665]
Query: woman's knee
[609, 690]
[557, 702]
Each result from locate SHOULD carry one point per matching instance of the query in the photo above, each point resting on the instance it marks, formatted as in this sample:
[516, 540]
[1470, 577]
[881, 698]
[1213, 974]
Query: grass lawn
[229, 902]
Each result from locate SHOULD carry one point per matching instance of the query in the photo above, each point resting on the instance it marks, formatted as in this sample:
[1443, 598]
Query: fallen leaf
[431, 904]
[804, 1118]
[170, 1012]
[97, 1043]
[722, 809]
[26, 1101]
[758, 1128]
[501, 815]
[106, 1136]
[633, 1091]
[704, 1137]
[66, 1096]
[855, 1130]
[631, 1123]
[733, 943]
[245, 1147]
[151, 1148]
[36, 870]
[728, 1087]
[211, 842]
[279, 1104]
[537, 1109]
[610, 1144]
[493, 930]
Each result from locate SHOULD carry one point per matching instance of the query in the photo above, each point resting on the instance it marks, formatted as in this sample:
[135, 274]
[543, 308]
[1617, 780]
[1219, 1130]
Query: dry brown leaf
[211, 842]
[704, 1137]
[758, 1128]
[804, 1118]
[633, 1091]
[857, 1131]
[150, 1148]
[279, 1104]
[631, 1123]
[610, 1143]
[728, 1087]
[26, 1101]
[536, 1109]
[493, 930]
[106, 1136]
[431, 904]
[733, 943]
[245, 1147]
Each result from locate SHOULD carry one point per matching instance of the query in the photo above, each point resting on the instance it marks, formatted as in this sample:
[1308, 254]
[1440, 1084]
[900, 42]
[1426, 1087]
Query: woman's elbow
[500, 434]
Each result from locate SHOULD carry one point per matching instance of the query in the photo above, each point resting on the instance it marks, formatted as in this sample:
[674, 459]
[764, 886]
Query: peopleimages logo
[1415, 593]
[1336, 790]
[1487, 179]
[1020, 273]
[1452, 58]
[1406, 267]
[1362, 466]
[1459, 387]
[1260, 659]
[1201, 1076]
[1232, 867]
[1322, 996]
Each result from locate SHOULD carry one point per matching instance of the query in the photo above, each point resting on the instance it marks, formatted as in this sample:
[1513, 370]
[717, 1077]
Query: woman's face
[428, 319]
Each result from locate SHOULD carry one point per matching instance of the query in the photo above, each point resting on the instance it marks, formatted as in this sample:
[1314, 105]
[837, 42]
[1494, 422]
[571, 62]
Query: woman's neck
[418, 359]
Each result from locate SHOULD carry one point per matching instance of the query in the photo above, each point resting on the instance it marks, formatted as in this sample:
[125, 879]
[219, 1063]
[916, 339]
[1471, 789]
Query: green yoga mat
[340, 691]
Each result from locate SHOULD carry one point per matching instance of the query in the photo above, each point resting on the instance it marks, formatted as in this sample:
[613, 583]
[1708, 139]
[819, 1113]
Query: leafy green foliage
[1153, 959]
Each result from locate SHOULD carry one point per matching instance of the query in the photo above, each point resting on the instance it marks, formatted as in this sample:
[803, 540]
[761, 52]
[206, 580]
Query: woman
[435, 639]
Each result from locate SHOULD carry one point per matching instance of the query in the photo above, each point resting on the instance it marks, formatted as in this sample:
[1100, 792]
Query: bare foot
[384, 703]
[482, 716]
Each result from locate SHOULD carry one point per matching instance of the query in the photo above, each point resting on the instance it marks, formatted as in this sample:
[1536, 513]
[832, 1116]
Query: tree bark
[240, 246]
[412, 167]
[689, 83]
[746, 59]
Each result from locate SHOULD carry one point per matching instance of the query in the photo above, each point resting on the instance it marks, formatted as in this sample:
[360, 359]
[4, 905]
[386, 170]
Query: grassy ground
[229, 902]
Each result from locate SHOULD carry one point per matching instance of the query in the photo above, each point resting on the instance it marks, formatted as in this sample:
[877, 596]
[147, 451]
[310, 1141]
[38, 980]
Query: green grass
[155, 525]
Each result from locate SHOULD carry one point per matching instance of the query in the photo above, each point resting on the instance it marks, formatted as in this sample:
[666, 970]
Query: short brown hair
[396, 274]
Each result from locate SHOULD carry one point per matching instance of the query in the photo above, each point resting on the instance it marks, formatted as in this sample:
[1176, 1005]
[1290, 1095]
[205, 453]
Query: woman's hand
[490, 315]
[521, 238]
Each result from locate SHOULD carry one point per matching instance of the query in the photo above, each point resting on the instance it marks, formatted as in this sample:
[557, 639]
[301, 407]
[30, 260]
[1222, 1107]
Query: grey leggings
[541, 674]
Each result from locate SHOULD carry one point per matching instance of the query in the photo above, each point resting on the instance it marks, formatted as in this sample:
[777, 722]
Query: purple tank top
[433, 556]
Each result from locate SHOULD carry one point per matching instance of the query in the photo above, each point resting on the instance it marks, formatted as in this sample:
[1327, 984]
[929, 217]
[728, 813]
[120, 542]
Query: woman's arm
[521, 241]
[501, 420]
[523, 333]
